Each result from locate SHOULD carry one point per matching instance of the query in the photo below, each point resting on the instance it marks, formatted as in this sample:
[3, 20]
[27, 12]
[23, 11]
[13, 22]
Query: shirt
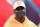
[12, 22]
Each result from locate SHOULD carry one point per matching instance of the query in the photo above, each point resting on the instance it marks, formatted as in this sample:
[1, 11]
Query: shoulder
[9, 21]
[31, 23]
[12, 17]
[7, 24]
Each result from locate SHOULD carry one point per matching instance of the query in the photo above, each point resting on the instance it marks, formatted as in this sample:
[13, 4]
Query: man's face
[20, 12]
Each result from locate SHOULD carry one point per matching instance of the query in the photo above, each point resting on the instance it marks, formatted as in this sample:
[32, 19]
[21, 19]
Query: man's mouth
[20, 14]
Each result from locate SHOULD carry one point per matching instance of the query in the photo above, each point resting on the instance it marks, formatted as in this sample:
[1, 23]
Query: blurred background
[32, 10]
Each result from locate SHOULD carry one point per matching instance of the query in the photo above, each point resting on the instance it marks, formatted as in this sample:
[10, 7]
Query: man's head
[19, 9]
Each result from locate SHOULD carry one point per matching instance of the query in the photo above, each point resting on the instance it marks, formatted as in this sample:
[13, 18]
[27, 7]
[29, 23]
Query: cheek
[15, 12]
[24, 10]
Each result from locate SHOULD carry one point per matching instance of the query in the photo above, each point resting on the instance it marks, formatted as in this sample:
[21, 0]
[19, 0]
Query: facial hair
[20, 14]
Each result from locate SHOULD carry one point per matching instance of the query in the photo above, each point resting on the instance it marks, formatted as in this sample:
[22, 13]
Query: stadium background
[6, 10]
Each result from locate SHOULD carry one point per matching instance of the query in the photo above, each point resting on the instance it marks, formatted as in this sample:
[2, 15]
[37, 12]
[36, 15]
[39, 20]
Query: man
[19, 19]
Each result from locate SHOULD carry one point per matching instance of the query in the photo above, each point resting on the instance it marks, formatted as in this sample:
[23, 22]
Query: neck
[21, 20]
